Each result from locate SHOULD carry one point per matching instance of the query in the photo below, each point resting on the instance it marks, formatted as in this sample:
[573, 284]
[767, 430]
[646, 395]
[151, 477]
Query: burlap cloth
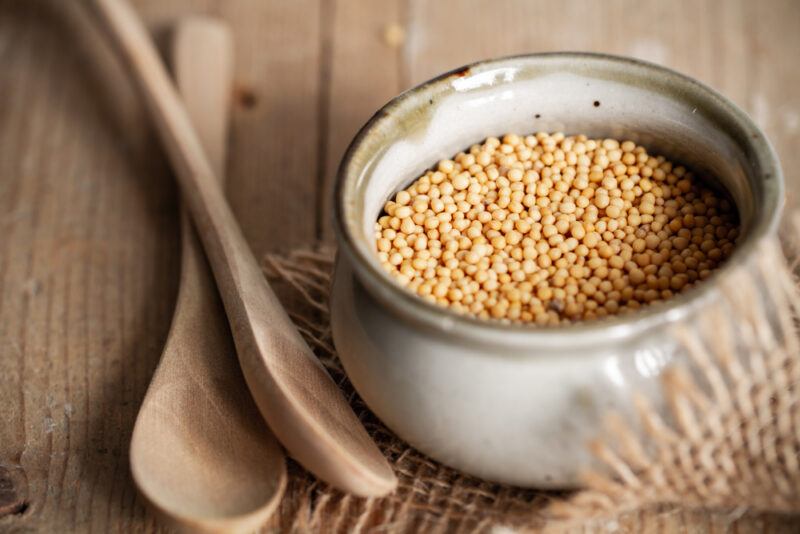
[732, 438]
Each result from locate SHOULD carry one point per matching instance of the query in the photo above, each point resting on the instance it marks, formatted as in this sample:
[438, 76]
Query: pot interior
[599, 96]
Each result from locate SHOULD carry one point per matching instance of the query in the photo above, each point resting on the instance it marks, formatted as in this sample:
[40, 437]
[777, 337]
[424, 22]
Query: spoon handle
[294, 393]
[202, 64]
[196, 395]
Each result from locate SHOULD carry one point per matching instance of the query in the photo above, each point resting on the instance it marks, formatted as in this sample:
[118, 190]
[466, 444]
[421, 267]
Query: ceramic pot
[517, 403]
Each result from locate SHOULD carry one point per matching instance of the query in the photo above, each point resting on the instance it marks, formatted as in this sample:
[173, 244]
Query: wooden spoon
[201, 454]
[303, 406]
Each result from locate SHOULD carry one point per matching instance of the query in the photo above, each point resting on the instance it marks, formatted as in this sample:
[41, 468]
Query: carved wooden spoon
[201, 455]
[303, 406]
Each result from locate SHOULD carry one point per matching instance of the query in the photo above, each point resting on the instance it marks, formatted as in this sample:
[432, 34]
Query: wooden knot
[13, 490]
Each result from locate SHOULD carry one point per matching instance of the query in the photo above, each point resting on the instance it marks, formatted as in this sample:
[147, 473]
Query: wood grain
[273, 141]
[88, 212]
[87, 270]
[363, 73]
[302, 404]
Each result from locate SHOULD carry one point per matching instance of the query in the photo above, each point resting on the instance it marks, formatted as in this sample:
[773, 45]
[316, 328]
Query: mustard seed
[550, 229]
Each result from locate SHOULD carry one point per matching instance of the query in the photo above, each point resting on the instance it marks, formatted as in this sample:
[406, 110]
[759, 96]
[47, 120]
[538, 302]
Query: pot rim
[431, 316]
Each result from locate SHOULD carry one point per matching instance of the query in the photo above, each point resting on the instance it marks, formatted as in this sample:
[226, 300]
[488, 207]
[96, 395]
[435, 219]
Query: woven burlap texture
[732, 438]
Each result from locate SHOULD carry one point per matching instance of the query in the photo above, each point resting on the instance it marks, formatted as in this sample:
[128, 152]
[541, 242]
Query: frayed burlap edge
[732, 436]
[730, 439]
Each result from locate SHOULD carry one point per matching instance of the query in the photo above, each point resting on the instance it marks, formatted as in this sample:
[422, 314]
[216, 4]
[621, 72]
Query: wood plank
[89, 247]
[89, 264]
[773, 77]
[366, 69]
[272, 165]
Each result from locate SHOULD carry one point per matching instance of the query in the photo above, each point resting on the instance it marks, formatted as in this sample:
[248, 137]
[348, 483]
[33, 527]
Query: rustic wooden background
[88, 220]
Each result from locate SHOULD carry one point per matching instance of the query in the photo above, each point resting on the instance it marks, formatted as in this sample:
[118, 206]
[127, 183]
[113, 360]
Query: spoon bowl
[303, 406]
[201, 455]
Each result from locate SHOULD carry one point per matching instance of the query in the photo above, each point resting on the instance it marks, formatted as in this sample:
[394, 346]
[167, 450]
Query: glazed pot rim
[472, 329]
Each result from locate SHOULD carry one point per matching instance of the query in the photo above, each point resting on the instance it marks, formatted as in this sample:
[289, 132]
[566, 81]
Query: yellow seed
[613, 211]
[461, 181]
[616, 262]
[591, 239]
[637, 276]
[577, 230]
[403, 212]
[552, 228]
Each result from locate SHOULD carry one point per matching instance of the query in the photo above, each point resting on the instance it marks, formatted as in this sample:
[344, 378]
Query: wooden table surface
[88, 220]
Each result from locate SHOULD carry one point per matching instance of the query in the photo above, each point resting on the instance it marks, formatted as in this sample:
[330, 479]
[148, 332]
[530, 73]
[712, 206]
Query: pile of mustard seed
[551, 229]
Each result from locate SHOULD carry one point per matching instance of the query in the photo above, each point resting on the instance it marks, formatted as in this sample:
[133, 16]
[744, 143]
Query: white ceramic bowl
[511, 403]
